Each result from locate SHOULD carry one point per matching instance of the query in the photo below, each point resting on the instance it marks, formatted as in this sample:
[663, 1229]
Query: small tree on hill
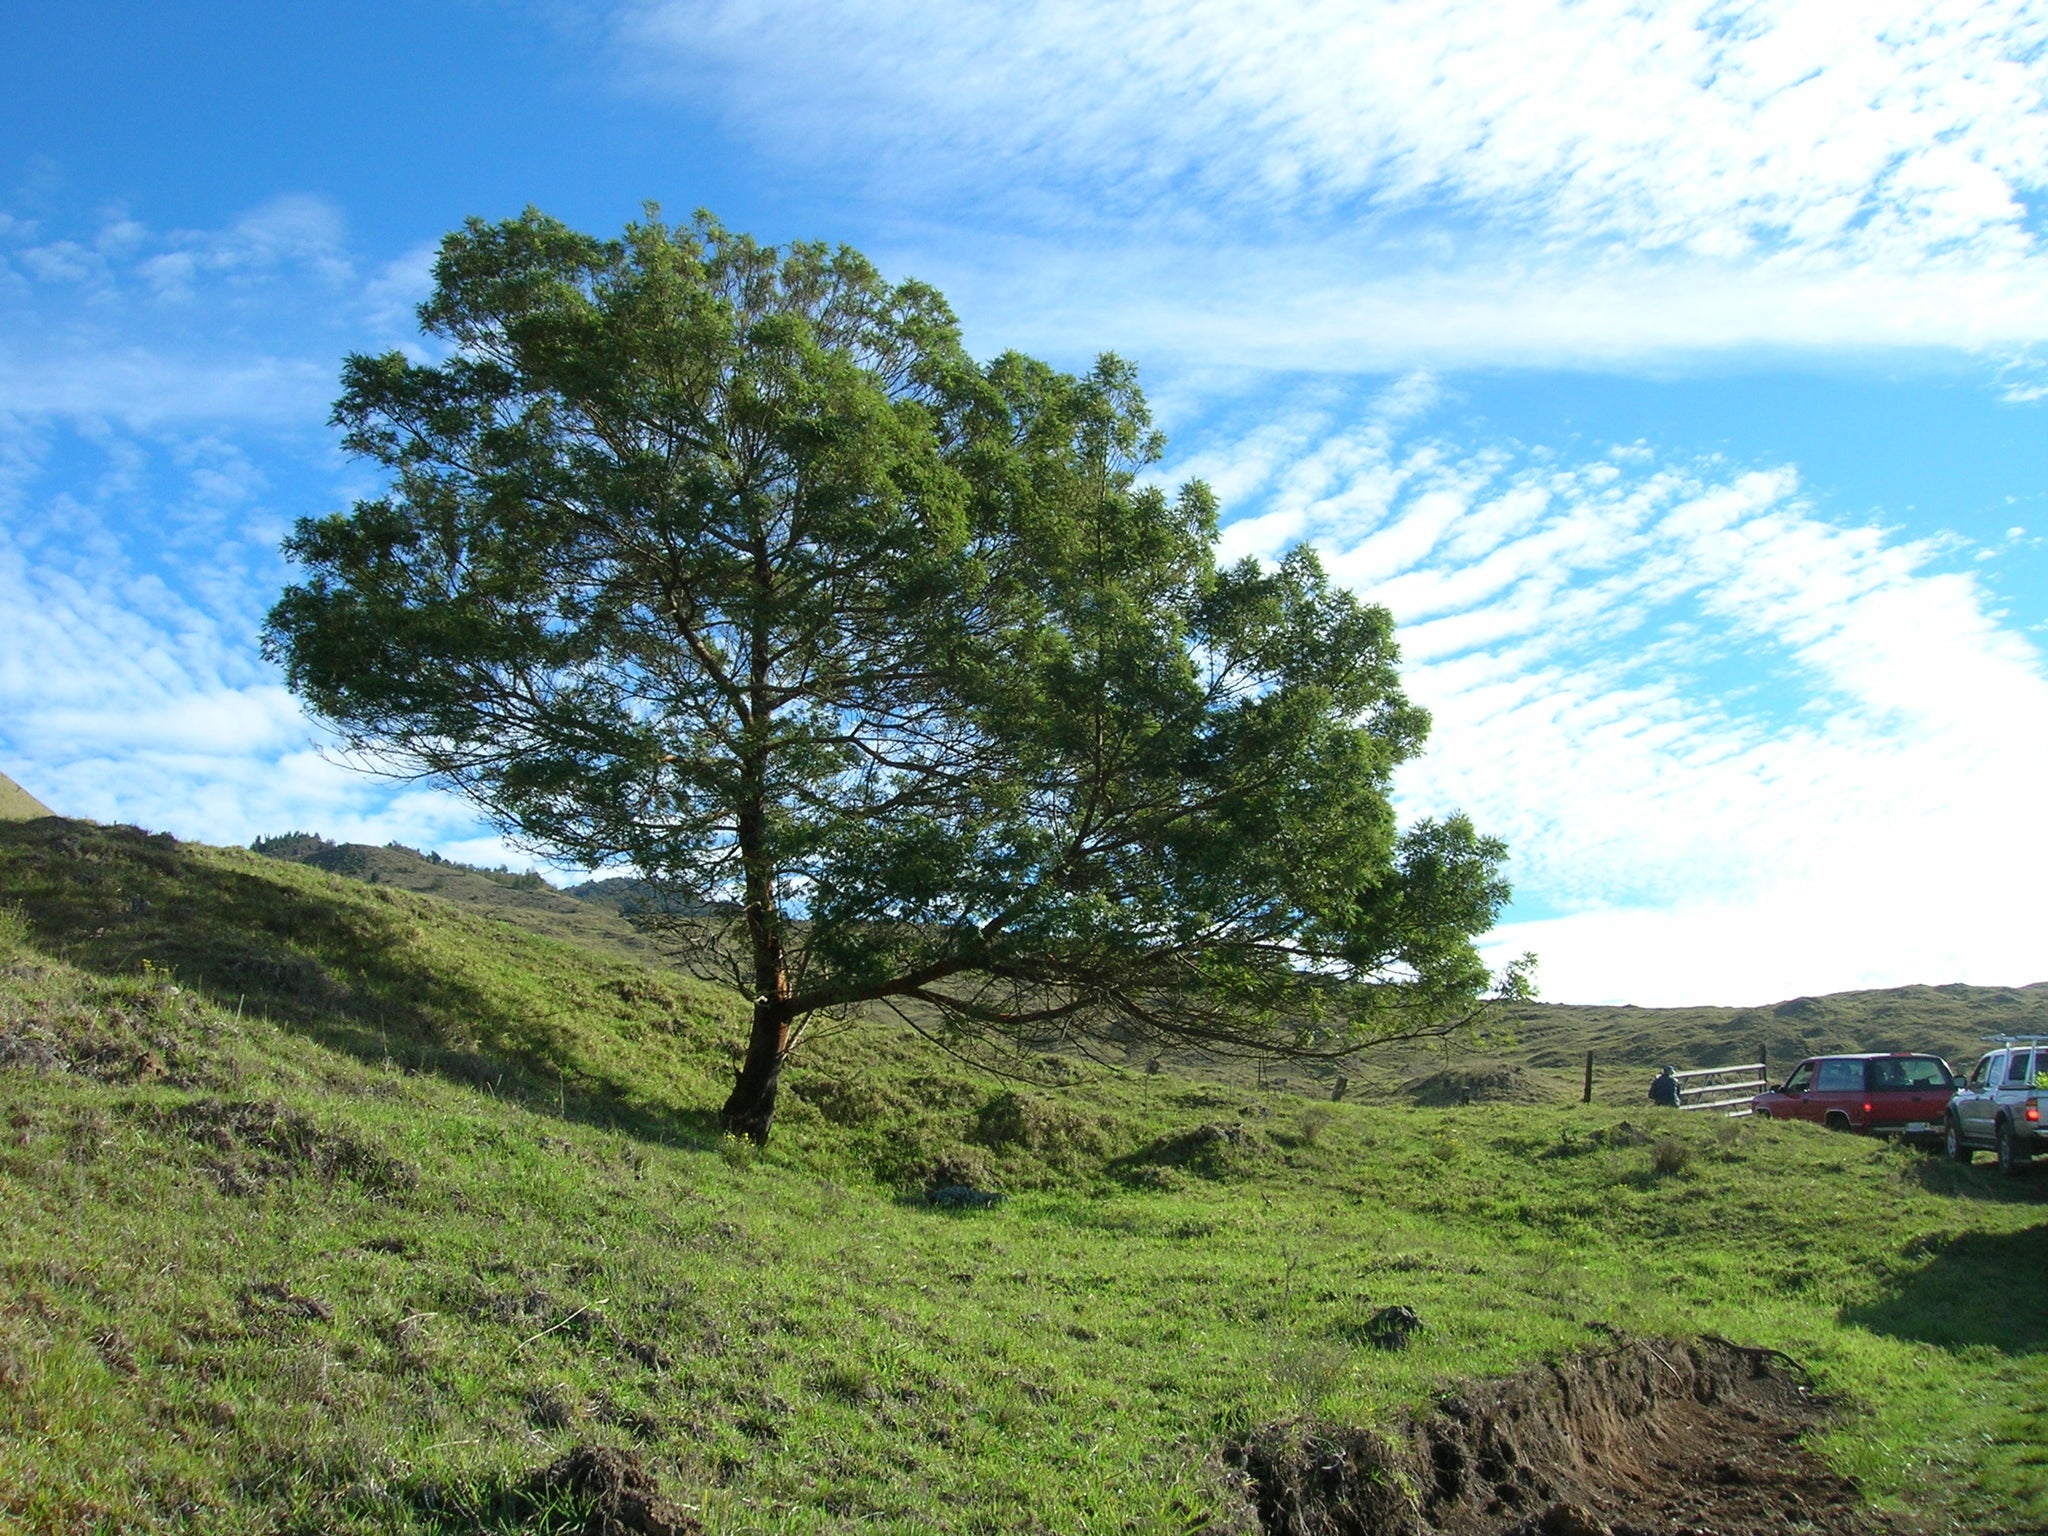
[729, 564]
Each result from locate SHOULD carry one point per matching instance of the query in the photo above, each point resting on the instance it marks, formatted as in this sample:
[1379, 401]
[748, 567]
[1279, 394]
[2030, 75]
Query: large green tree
[727, 563]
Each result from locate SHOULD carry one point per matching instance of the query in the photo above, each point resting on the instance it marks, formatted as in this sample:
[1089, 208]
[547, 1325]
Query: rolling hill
[338, 1206]
[1536, 1050]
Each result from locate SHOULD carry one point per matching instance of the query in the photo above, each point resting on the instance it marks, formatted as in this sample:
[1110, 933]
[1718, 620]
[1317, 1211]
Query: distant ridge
[525, 900]
[17, 804]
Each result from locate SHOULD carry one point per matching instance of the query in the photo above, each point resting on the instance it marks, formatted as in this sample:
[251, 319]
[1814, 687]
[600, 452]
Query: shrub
[1670, 1155]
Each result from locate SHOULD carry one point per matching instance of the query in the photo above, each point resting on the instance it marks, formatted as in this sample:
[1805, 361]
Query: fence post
[1337, 1092]
[1587, 1097]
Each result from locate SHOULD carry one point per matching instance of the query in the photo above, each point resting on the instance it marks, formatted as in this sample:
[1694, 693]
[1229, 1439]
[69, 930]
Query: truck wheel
[1952, 1142]
[2010, 1158]
[1837, 1121]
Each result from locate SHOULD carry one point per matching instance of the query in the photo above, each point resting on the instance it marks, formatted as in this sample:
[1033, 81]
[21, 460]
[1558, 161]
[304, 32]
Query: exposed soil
[613, 1493]
[1649, 1438]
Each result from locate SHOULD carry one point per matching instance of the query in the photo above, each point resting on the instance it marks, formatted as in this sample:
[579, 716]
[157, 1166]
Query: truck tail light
[2034, 1110]
[1866, 1108]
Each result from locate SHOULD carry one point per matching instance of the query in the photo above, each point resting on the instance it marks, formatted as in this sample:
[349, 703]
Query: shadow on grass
[1976, 1288]
[354, 970]
[1981, 1181]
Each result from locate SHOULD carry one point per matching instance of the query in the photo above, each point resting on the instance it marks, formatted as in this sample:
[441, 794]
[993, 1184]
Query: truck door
[1791, 1103]
[1975, 1108]
[1837, 1090]
[2012, 1083]
[1928, 1087]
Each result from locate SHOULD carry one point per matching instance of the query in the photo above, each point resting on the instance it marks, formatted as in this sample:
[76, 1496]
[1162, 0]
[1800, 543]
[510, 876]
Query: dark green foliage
[886, 669]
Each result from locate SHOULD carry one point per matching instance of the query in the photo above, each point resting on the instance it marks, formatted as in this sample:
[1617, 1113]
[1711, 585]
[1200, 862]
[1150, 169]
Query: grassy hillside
[1951, 1020]
[525, 901]
[17, 804]
[1536, 1052]
[334, 1206]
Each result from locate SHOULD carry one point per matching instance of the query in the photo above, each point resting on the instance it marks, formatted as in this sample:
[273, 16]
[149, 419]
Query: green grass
[446, 1198]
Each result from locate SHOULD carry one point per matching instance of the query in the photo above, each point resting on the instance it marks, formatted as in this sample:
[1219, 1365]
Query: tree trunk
[751, 1108]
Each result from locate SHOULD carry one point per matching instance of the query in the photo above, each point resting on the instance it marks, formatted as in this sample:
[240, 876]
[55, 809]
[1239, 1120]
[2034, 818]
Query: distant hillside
[1542, 1054]
[1951, 1020]
[524, 900]
[17, 804]
[632, 896]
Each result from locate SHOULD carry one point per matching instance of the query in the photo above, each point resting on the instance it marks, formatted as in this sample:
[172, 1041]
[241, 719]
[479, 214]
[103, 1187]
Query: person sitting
[1664, 1089]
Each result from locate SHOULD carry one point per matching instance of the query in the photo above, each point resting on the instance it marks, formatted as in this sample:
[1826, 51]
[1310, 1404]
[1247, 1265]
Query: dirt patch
[253, 1143]
[611, 1492]
[1649, 1438]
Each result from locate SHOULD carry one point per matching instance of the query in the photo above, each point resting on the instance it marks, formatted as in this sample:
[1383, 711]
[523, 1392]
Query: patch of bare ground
[1651, 1437]
[609, 1493]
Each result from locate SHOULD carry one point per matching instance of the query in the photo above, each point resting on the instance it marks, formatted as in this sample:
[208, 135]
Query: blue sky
[1676, 373]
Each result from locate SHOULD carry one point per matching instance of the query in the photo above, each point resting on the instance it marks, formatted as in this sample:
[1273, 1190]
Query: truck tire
[1837, 1121]
[1953, 1144]
[2010, 1158]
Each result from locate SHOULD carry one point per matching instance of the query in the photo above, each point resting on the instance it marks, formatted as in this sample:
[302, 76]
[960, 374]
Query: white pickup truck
[1999, 1107]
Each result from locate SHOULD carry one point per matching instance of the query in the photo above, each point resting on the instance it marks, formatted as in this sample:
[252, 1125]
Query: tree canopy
[728, 563]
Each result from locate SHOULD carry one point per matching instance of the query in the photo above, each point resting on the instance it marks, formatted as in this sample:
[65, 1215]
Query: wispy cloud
[1677, 690]
[1712, 125]
[243, 323]
[163, 397]
[1441, 181]
[134, 571]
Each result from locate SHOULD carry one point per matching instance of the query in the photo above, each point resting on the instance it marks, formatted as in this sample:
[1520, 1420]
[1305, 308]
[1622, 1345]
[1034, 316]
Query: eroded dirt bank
[1647, 1438]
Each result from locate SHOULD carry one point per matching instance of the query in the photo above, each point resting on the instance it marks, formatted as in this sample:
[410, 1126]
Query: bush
[1670, 1155]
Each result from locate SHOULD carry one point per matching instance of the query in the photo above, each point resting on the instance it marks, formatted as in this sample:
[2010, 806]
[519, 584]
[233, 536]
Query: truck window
[1981, 1073]
[1915, 1072]
[2019, 1069]
[1839, 1077]
[1801, 1076]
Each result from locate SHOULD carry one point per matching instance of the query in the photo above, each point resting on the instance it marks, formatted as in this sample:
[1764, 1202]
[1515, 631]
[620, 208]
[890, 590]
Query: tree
[729, 564]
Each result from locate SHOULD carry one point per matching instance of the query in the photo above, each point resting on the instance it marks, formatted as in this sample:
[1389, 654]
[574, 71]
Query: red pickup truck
[1896, 1093]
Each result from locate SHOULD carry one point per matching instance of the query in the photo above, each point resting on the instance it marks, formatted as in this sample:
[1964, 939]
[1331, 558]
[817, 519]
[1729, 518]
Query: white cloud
[151, 327]
[134, 572]
[1366, 186]
[95, 375]
[1739, 751]
[1701, 124]
[1338, 301]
